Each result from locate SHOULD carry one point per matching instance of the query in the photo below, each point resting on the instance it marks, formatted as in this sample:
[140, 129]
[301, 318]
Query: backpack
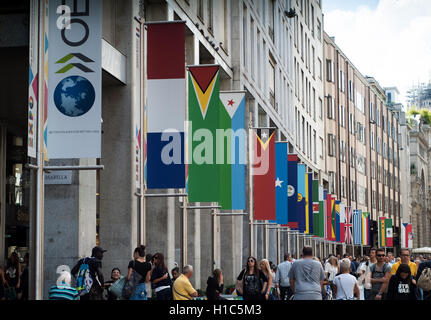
[424, 281]
[130, 286]
[84, 282]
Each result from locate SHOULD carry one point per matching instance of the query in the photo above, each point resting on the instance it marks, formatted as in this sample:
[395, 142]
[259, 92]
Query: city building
[362, 141]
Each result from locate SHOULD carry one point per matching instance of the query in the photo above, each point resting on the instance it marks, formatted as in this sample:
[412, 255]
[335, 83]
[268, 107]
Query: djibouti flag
[203, 182]
[231, 154]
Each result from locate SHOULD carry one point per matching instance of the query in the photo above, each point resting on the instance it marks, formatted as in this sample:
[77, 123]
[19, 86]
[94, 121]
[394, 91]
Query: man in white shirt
[345, 285]
[281, 279]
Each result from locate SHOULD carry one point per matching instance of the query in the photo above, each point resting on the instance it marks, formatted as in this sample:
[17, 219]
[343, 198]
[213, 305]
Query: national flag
[301, 199]
[366, 228]
[342, 222]
[348, 226]
[357, 227]
[204, 119]
[308, 203]
[166, 96]
[337, 220]
[264, 174]
[382, 232]
[329, 217]
[333, 220]
[281, 182]
[316, 207]
[389, 233]
[232, 160]
[406, 236]
[324, 218]
[321, 214]
[292, 191]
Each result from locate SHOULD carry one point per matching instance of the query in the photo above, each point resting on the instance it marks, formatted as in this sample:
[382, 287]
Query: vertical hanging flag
[406, 236]
[232, 156]
[204, 119]
[166, 103]
[292, 193]
[389, 233]
[337, 220]
[349, 226]
[357, 227]
[329, 217]
[281, 182]
[382, 232]
[33, 83]
[301, 198]
[342, 222]
[309, 199]
[321, 214]
[316, 198]
[74, 97]
[264, 174]
[324, 218]
[333, 220]
[366, 228]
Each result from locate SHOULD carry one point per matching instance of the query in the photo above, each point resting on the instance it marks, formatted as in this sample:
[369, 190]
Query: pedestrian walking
[148, 286]
[24, 278]
[266, 269]
[89, 276]
[281, 279]
[115, 275]
[183, 289]
[345, 284]
[405, 258]
[251, 281]
[160, 279]
[175, 274]
[390, 259]
[425, 291]
[12, 277]
[63, 290]
[401, 285]
[331, 270]
[306, 277]
[215, 285]
[380, 275]
[143, 269]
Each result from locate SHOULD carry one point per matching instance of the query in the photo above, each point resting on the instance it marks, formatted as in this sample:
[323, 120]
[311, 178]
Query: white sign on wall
[58, 177]
[74, 79]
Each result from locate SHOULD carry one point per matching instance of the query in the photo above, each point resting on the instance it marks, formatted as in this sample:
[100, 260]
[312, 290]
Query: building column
[69, 220]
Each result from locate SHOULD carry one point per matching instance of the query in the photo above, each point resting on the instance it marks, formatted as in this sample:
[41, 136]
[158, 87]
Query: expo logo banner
[74, 79]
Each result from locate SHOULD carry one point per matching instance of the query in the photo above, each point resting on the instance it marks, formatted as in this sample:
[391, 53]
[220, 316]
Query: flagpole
[250, 161]
[278, 246]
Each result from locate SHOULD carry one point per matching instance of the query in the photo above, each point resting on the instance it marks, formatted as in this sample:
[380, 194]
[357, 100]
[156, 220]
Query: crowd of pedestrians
[379, 276]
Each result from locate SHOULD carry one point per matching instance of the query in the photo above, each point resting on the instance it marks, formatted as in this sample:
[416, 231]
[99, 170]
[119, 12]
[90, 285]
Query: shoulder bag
[130, 285]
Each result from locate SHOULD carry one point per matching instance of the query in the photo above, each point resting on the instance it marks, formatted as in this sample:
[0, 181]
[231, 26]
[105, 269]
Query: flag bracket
[58, 168]
[201, 207]
[229, 214]
[165, 195]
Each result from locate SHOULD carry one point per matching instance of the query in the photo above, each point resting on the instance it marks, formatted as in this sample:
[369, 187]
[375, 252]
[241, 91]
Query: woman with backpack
[401, 286]
[160, 278]
[251, 281]
[139, 273]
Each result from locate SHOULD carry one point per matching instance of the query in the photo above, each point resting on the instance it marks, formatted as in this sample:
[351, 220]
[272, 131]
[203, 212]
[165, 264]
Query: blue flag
[357, 227]
[292, 192]
[301, 198]
[281, 182]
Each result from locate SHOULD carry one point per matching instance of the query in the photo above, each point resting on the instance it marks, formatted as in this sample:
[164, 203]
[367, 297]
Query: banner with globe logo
[74, 79]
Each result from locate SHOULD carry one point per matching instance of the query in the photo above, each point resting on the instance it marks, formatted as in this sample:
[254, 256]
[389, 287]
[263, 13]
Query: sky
[389, 40]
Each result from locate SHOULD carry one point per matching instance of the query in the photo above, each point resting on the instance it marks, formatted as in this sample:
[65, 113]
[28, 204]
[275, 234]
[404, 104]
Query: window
[378, 145]
[252, 41]
[360, 164]
[312, 20]
[343, 187]
[352, 157]
[244, 37]
[319, 29]
[330, 70]
[210, 16]
[373, 170]
[332, 183]
[331, 145]
[373, 200]
[371, 111]
[341, 116]
[272, 82]
[341, 82]
[331, 107]
[319, 68]
[360, 132]
[200, 9]
[384, 150]
[352, 190]
[271, 19]
[320, 109]
[372, 140]
[322, 148]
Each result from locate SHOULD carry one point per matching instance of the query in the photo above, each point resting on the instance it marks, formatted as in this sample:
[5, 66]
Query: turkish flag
[264, 174]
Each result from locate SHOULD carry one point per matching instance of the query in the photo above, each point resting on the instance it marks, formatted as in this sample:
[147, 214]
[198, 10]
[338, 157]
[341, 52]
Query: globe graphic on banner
[74, 96]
